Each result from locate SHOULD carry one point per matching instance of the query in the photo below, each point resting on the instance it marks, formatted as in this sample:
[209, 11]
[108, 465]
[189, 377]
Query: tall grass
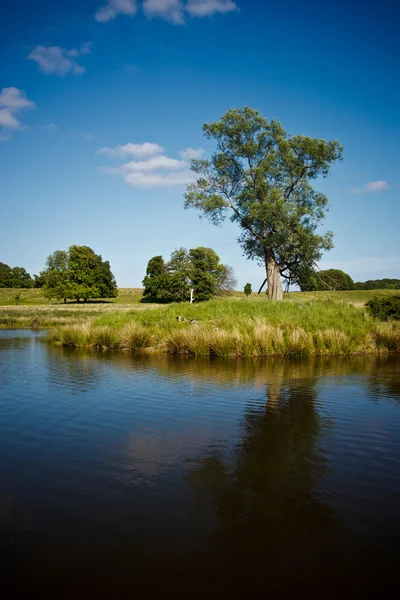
[232, 328]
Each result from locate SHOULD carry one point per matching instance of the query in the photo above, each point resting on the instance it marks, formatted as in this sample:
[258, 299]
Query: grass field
[305, 324]
[35, 297]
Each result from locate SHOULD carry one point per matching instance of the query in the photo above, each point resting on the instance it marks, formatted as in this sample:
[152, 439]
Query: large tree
[78, 273]
[262, 176]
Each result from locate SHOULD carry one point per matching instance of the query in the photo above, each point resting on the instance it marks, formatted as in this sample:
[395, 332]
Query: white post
[191, 296]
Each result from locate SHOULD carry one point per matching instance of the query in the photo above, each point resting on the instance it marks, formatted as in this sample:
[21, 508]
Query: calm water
[124, 475]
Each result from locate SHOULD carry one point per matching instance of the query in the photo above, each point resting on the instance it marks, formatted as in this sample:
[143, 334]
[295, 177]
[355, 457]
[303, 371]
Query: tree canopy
[14, 277]
[261, 176]
[378, 284]
[199, 269]
[331, 279]
[78, 273]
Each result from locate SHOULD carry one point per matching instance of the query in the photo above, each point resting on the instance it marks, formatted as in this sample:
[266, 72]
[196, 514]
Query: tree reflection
[265, 494]
[383, 378]
[73, 371]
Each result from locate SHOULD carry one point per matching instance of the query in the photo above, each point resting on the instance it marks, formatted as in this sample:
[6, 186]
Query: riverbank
[232, 328]
[302, 325]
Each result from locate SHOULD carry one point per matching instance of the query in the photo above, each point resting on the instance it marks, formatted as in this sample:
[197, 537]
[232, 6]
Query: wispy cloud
[113, 8]
[190, 153]
[54, 60]
[12, 101]
[371, 187]
[151, 167]
[173, 11]
[138, 151]
[169, 10]
[206, 8]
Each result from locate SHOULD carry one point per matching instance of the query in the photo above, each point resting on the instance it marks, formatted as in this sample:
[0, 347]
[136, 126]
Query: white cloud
[371, 187]
[88, 137]
[205, 8]
[173, 11]
[147, 180]
[169, 10]
[12, 100]
[59, 61]
[152, 168]
[52, 126]
[190, 153]
[113, 8]
[139, 151]
[5, 138]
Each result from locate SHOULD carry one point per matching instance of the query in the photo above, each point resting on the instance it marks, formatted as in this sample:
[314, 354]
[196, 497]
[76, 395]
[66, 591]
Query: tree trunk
[275, 291]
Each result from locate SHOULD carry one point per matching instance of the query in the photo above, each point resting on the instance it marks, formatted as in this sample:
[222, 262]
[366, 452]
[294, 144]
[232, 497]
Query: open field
[33, 297]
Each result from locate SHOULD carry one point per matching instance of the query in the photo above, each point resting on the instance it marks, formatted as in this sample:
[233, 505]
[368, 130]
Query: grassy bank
[305, 324]
[232, 328]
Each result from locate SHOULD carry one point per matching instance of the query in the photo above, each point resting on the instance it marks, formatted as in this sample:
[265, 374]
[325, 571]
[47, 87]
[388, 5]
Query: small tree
[199, 269]
[247, 289]
[226, 280]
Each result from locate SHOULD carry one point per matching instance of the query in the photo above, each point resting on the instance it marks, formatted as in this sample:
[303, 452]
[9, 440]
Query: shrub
[385, 309]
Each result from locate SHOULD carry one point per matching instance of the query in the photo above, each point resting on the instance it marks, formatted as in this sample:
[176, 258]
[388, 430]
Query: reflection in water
[266, 495]
[73, 370]
[119, 472]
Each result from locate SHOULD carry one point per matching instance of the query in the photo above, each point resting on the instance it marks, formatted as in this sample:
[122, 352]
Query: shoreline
[220, 328]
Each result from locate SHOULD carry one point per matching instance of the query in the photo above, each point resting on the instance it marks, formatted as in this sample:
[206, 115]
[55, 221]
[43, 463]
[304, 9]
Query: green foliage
[331, 279]
[385, 309]
[5, 276]
[16, 277]
[153, 280]
[262, 177]
[378, 284]
[199, 269]
[247, 289]
[78, 273]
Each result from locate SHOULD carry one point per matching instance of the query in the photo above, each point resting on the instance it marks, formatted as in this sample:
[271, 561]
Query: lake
[122, 475]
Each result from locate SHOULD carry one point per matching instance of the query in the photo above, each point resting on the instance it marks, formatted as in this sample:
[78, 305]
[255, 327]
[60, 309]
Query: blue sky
[103, 102]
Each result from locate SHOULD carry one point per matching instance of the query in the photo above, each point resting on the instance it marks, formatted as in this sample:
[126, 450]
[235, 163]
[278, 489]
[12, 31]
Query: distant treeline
[378, 284]
[18, 277]
[337, 280]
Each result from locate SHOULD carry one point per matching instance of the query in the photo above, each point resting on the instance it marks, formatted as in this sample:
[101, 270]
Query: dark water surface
[123, 476]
